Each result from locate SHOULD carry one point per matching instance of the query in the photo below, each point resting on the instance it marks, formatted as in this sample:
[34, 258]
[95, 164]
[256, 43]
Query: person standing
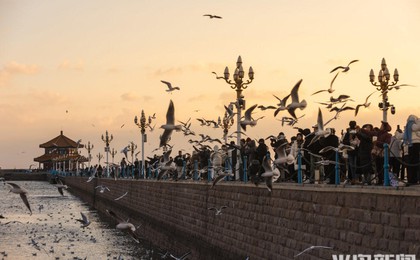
[179, 162]
[412, 140]
[123, 166]
[351, 140]
[395, 153]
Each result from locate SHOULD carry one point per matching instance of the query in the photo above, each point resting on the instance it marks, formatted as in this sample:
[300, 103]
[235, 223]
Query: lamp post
[99, 156]
[238, 85]
[89, 148]
[383, 85]
[142, 125]
[113, 153]
[225, 123]
[132, 146]
[107, 140]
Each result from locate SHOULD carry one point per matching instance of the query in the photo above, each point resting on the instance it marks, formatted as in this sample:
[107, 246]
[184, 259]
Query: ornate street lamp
[142, 125]
[383, 85]
[238, 84]
[107, 140]
[225, 124]
[113, 153]
[99, 156]
[89, 148]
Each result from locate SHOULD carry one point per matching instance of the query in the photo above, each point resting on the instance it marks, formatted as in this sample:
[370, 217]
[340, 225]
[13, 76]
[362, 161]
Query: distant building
[61, 153]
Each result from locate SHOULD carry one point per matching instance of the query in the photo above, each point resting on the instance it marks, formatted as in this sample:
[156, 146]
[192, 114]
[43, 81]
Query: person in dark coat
[329, 169]
[364, 156]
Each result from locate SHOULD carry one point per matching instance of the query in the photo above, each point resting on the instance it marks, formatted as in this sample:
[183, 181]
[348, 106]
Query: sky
[87, 67]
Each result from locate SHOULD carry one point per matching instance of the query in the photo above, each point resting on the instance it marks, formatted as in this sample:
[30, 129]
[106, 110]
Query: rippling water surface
[52, 231]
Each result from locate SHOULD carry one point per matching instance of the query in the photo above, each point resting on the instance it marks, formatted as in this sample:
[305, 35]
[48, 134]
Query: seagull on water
[22, 192]
[170, 125]
[344, 68]
[85, 221]
[295, 101]
[313, 247]
[170, 88]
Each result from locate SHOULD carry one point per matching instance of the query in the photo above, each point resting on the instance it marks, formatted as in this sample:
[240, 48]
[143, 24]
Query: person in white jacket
[412, 140]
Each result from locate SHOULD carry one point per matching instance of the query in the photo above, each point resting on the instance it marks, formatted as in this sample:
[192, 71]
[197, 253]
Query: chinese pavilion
[61, 153]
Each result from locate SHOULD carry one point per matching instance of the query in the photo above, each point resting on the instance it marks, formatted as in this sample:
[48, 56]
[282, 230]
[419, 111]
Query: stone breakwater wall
[175, 216]
[10, 175]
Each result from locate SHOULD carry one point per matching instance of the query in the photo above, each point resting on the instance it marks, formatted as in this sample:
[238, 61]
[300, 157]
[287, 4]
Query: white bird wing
[294, 92]
[165, 137]
[320, 121]
[170, 115]
[248, 112]
[266, 164]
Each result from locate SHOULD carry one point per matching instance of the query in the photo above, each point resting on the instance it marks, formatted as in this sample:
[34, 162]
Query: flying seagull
[330, 90]
[102, 188]
[85, 221]
[344, 68]
[60, 186]
[211, 16]
[170, 88]
[320, 131]
[218, 211]
[311, 248]
[169, 126]
[366, 104]
[124, 225]
[281, 105]
[248, 118]
[22, 192]
[295, 101]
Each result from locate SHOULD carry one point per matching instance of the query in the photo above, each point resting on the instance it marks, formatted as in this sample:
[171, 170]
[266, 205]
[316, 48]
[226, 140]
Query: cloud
[129, 97]
[178, 70]
[68, 65]
[13, 68]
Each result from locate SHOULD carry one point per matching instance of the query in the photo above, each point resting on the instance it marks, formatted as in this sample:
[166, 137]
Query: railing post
[184, 168]
[227, 167]
[337, 169]
[299, 157]
[149, 172]
[386, 166]
[210, 170]
[245, 169]
[195, 170]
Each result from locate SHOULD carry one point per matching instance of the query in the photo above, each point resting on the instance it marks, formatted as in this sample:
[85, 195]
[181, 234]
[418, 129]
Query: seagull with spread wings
[60, 186]
[366, 104]
[124, 225]
[211, 16]
[170, 88]
[344, 68]
[281, 105]
[248, 120]
[330, 90]
[22, 192]
[169, 126]
[84, 220]
[218, 211]
[295, 101]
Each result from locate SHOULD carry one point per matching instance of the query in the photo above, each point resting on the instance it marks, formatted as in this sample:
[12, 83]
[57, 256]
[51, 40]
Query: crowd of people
[361, 157]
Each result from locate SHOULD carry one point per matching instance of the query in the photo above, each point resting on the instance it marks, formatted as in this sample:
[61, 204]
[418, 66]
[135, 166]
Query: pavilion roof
[61, 141]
